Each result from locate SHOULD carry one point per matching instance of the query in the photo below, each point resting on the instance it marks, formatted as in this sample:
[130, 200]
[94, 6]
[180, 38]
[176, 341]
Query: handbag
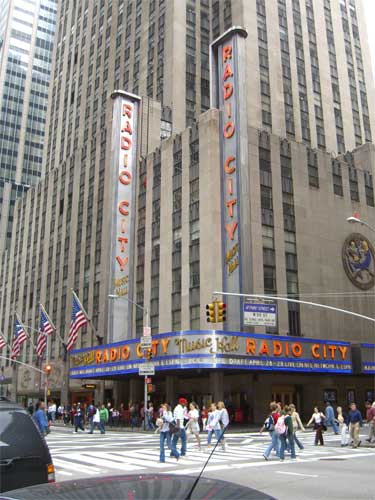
[324, 427]
[173, 428]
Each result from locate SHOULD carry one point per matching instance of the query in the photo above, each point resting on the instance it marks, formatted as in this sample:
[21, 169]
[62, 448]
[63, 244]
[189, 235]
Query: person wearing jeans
[288, 437]
[297, 424]
[178, 417]
[213, 424]
[165, 435]
[275, 441]
[330, 417]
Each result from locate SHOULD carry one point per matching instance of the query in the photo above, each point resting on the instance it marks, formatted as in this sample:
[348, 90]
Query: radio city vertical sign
[228, 95]
[124, 169]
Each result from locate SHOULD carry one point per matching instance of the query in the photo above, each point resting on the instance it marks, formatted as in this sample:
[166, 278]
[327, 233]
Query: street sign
[146, 342]
[147, 331]
[146, 369]
[257, 314]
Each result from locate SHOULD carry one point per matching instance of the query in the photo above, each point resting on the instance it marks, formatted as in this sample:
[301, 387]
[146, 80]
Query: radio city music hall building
[223, 204]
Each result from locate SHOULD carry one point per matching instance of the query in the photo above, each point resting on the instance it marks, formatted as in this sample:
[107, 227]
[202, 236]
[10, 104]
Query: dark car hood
[137, 487]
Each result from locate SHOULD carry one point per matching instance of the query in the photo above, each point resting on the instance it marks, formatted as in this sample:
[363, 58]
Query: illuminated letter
[264, 348]
[139, 351]
[296, 350]
[127, 110]
[125, 177]
[125, 352]
[126, 143]
[230, 204]
[277, 348]
[315, 351]
[250, 346]
[227, 53]
[228, 73]
[121, 208]
[227, 90]
[231, 229]
[227, 169]
[122, 262]
[343, 351]
[123, 242]
[127, 128]
[98, 357]
[332, 348]
[164, 344]
[228, 130]
[112, 354]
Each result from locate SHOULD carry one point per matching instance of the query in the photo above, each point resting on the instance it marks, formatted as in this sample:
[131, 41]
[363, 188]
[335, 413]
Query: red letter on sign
[125, 177]
[227, 168]
[122, 262]
[227, 90]
[127, 128]
[123, 242]
[126, 143]
[230, 204]
[127, 110]
[231, 229]
[228, 130]
[227, 53]
[121, 208]
[228, 73]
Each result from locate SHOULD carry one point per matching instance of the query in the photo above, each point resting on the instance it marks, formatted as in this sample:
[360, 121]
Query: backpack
[280, 427]
[269, 424]
[92, 410]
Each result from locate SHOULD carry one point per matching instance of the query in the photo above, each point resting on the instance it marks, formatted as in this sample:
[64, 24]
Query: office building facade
[26, 31]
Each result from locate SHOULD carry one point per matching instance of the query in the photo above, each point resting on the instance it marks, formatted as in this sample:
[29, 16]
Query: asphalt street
[319, 472]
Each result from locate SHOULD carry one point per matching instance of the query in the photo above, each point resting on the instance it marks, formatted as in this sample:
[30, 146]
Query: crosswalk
[85, 455]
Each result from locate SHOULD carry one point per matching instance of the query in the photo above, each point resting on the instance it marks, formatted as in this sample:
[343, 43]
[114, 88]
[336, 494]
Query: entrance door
[286, 395]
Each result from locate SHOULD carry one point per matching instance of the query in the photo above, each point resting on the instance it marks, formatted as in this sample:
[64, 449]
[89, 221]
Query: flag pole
[50, 321]
[25, 328]
[85, 313]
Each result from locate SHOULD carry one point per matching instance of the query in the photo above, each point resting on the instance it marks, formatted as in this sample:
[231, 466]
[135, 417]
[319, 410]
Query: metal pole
[46, 376]
[284, 299]
[145, 323]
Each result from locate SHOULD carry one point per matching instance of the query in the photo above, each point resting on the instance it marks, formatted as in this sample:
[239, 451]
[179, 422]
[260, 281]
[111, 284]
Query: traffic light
[211, 313]
[48, 369]
[149, 354]
[221, 312]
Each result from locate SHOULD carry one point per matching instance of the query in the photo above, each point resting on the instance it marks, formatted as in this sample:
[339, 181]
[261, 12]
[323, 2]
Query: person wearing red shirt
[269, 424]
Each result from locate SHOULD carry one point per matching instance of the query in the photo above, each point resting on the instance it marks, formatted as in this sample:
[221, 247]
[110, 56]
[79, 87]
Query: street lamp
[354, 219]
[146, 327]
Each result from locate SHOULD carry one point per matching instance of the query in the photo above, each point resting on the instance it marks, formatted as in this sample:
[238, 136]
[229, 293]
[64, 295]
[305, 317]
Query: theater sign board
[124, 149]
[212, 349]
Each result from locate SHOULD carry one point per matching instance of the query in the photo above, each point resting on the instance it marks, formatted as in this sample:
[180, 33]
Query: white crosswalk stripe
[86, 455]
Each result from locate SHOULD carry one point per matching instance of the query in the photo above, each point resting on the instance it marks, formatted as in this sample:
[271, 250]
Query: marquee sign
[227, 70]
[124, 149]
[213, 349]
[368, 358]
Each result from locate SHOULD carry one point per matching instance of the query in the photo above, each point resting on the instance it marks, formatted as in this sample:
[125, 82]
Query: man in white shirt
[224, 421]
[178, 417]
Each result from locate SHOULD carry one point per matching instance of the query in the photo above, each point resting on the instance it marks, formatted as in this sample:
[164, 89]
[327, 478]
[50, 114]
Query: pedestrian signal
[221, 312]
[211, 313]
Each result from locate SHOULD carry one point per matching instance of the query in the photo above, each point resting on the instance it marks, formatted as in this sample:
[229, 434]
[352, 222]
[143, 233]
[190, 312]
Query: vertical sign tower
[228, 94]
[124, 175]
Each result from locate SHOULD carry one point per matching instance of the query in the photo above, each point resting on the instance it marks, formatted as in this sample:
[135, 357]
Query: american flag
[19, 338]
[2, 342]
[78, 320]
[45, 328]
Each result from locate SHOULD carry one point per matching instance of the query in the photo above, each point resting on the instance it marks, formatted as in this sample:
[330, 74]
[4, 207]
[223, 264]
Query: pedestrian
[66, 417]
[285, 430]
[78, 416]
[297, 424]
[355, 422]
[115, 417]
[269, 425]
[224, 422]
[204, 415]
[371, 434]
[94, 419]
[370, 415]
[343, 426]
[103, 415]
[330, 417]
[51, 411]
[165, 435]
[60, 411]
[90, 413]
[213, 424]
[318, 418]
[178, 417]
[150, 426]
[193, 422]
[30, 408]
[133, 416]
[40, 418]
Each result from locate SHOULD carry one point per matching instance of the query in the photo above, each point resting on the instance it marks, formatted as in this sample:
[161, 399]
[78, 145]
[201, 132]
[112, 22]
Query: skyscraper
[27, 31]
